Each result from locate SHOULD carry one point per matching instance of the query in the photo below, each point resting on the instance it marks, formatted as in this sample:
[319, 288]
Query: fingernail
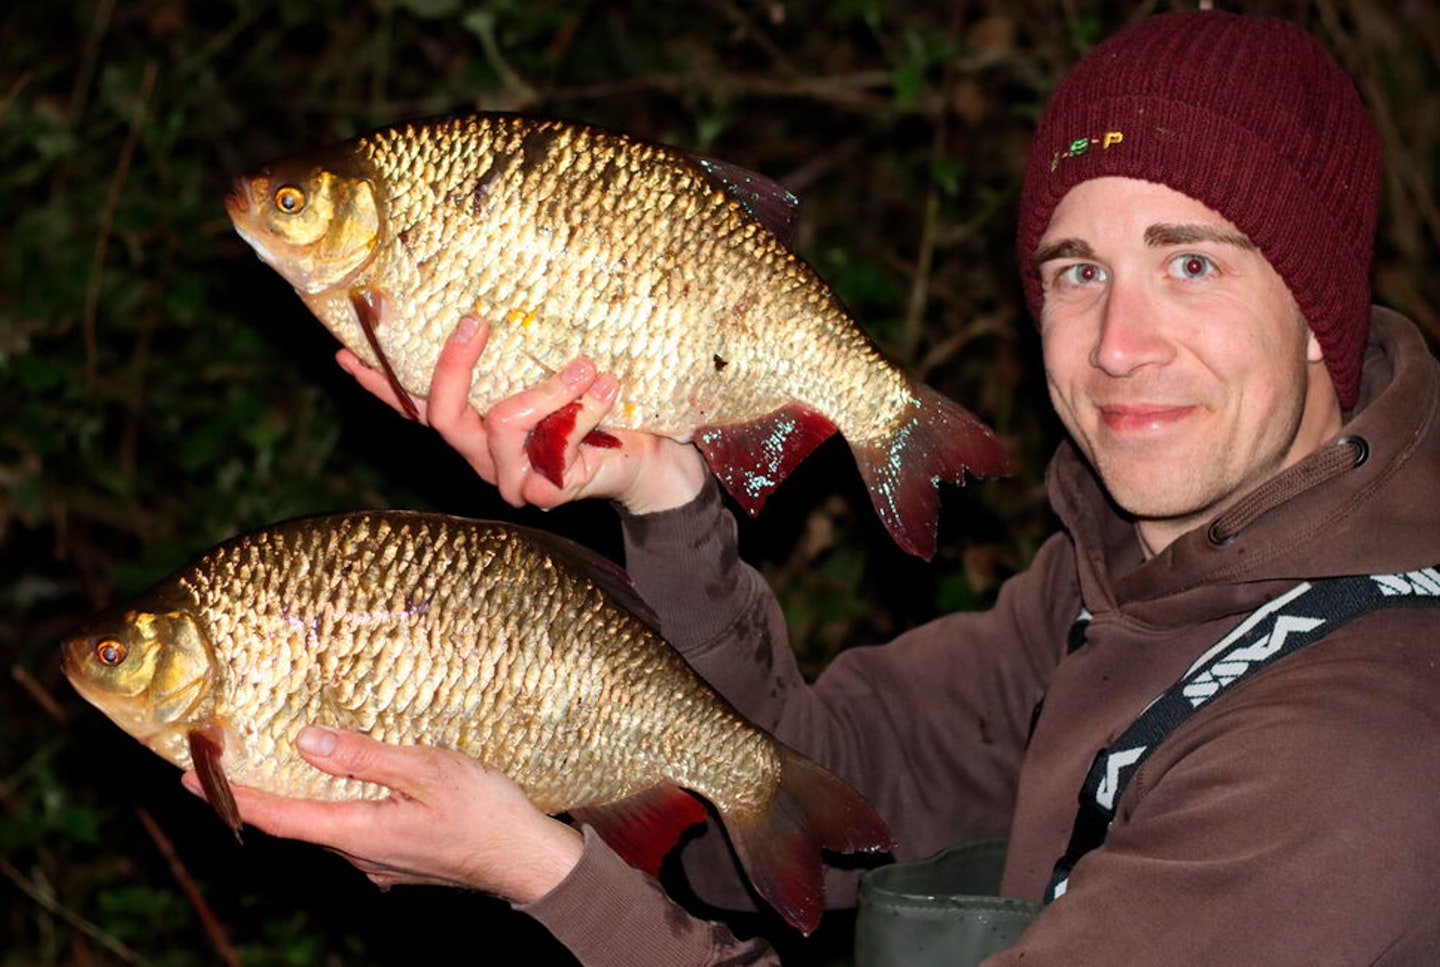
[577, 372]
[467, 329]
[603, 389]
[316, 741]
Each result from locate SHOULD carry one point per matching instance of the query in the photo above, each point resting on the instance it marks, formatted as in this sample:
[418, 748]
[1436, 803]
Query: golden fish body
[424, 629]
[573, 241]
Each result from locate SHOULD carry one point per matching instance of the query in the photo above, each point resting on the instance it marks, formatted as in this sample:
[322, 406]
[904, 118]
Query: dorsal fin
[771, 203]
[608, 576]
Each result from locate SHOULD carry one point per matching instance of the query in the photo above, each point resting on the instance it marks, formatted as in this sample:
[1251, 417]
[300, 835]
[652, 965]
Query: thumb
[409, 770]
[353, 755]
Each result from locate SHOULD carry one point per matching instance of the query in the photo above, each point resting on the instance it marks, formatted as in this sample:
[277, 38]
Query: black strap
[1280, 627]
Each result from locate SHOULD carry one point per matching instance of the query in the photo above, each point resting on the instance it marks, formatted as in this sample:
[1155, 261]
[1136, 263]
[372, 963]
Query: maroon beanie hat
[1248, 115]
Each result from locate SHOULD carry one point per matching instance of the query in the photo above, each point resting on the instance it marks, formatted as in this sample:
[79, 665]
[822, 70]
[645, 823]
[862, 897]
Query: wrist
[555, 854]
[672, 477]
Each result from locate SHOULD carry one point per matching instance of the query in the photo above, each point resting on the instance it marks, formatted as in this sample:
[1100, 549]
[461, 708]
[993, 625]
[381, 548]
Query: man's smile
[1129, 419]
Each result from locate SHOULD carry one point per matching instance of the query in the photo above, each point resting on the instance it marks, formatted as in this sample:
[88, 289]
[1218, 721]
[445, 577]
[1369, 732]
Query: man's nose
[1132, 331]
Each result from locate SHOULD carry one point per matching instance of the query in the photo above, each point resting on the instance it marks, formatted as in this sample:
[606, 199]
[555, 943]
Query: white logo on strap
[1425, 582]
[1114, 762]
[1238, 662]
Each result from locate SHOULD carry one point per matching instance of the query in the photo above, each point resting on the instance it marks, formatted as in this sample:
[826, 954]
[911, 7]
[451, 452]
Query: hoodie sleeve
[609, 914]
[717, 610]
[930, 728]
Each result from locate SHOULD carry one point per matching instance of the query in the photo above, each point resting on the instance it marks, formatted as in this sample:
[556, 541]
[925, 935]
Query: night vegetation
[161, 389]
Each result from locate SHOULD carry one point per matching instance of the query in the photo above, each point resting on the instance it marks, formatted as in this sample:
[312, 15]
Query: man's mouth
[1134, 418]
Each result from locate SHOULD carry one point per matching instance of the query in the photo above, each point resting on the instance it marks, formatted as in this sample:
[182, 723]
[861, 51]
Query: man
[1195, 232]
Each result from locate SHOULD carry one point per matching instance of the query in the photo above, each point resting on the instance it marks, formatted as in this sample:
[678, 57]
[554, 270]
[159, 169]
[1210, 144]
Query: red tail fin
[812, 810]
[942, 441]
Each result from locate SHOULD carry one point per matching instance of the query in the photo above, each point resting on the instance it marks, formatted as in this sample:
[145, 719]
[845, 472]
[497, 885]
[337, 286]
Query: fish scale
[574, 241]
[506, 644]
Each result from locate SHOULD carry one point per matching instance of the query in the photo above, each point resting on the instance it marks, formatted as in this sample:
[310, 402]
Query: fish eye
[110, 651]
[290, 199]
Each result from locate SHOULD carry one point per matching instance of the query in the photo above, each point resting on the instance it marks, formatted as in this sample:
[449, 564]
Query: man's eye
[1081, 273]
[1191, 266]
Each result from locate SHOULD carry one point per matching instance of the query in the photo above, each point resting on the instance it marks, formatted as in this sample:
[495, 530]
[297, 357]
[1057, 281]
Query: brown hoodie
[1293, 821]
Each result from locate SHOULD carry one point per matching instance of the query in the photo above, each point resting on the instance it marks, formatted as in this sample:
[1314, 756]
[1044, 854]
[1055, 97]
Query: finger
[511, 421]
[594, 407]
[449, 400]
[411, 771]
[326, 823]
[554, 445]
[519, 413]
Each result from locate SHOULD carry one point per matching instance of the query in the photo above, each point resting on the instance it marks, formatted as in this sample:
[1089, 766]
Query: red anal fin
[643, 828]
[811, 811]
[207, 745]
[369, 305]
[546, 444]
[751, 459]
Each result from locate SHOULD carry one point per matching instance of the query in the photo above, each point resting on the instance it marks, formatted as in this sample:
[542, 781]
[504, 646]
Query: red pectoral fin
[751, 459]
[370, 306]
[644, 827]
[207, 744]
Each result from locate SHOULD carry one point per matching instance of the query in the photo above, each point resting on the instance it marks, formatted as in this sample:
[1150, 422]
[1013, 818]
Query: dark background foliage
[160, 389]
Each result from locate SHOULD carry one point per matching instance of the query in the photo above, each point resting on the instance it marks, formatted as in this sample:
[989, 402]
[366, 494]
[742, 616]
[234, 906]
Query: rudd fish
[510, 645]
[669, 271]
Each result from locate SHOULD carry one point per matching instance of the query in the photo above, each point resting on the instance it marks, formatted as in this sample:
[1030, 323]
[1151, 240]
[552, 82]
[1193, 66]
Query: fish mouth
[260, 249]
[241, 207]
[239, 202]
[73, 654]
[70, 665]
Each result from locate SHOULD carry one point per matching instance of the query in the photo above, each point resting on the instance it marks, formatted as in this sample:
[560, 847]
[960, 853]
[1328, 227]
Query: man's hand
[647, 473]
[450, 820]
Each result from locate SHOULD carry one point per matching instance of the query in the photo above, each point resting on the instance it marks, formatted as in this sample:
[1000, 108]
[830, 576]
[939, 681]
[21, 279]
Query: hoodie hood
[1363, 503]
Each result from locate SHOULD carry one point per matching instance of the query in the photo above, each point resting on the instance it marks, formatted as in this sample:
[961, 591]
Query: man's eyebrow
[1163, 234]
[1065, 248]
[1158, 235]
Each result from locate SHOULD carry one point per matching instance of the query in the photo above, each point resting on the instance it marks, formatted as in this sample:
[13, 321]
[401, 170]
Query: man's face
[1175, 355]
